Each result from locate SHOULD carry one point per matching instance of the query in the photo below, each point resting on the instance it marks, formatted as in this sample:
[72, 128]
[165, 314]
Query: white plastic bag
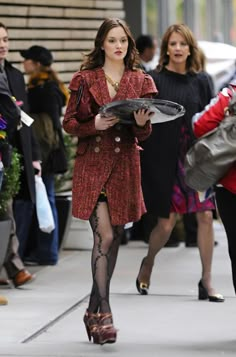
[43, 208]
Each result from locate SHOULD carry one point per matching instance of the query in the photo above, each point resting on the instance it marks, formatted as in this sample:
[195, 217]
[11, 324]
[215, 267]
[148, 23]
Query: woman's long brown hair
[96, 57]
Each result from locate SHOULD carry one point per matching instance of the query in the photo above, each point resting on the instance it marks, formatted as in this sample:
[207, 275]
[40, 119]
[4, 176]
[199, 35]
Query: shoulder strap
[232, 101]
[84, 82]
[231, 90]
[80, 92]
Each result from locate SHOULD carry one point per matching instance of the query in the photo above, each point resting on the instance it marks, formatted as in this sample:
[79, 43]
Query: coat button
[98, 139]
[96, 149]
[117, 150]
[117, 139]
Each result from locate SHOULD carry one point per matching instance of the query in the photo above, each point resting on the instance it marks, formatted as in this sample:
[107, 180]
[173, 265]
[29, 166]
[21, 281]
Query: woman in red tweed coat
[106, 181]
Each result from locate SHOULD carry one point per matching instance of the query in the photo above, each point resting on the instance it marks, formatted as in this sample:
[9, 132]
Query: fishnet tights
[104, 255]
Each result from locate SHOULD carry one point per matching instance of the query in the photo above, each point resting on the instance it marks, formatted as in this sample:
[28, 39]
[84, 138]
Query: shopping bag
[43, 208]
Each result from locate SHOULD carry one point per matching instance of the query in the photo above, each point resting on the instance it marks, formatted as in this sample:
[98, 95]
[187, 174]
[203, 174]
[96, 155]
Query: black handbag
[58, 159]
[212, 155]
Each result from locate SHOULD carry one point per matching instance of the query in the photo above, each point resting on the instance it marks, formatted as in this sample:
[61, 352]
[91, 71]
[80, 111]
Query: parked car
[221, 62]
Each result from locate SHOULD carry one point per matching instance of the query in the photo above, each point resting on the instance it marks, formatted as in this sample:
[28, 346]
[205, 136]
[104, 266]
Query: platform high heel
[91, 322]
[203, 294]
[141, 286]
[106, 332]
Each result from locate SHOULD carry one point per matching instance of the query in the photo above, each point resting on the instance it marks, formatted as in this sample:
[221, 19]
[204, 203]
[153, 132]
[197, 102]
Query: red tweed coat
[108, 158]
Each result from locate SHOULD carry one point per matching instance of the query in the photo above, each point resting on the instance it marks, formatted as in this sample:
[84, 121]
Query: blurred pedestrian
[47, 95]
[147, 48]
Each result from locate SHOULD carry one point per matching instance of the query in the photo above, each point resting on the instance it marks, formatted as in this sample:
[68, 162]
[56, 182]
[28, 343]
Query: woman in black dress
[178, 78]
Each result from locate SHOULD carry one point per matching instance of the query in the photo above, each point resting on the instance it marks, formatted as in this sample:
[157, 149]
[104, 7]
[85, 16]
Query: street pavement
[44, 318]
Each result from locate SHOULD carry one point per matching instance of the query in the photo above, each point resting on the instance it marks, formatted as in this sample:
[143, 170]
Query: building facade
[68, 27]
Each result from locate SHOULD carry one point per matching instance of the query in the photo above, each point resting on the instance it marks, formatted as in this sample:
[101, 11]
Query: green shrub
[11, 183]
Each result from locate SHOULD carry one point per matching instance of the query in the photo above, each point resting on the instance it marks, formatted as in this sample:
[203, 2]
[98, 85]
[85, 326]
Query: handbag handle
[80, 93]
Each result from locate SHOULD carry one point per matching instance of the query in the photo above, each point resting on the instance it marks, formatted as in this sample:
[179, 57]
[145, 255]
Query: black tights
[104, 255]
[226, 203]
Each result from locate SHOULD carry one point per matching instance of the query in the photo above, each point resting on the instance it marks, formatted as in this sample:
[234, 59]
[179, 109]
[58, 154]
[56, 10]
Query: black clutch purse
[164, 110]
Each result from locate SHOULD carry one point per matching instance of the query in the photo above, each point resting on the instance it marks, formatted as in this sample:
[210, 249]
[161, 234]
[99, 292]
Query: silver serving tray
[164, 110]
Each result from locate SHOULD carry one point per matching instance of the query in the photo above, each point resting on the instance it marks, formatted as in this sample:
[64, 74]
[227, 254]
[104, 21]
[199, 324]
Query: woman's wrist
[141, 126]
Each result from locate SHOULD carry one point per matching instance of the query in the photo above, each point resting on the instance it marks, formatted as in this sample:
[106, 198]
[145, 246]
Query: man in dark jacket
[23, 140]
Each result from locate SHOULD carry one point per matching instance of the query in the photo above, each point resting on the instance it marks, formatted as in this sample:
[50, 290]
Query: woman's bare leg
[205, 238]
[158, 238]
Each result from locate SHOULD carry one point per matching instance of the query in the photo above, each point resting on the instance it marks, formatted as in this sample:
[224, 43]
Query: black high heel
[140, 285]
[203, 294]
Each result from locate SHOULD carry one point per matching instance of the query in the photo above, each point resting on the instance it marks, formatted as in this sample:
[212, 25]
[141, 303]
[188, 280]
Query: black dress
[162, 158]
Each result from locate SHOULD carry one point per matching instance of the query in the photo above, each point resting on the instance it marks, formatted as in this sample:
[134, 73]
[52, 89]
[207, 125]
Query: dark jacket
[23, 139]
[47, 98]
[46, 101]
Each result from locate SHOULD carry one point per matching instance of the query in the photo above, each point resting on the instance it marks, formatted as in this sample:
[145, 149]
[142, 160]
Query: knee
[166, 227]
[106, 240]
[205, 218]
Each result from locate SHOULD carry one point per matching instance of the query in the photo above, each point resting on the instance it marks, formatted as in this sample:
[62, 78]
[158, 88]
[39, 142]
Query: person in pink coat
[106, 181]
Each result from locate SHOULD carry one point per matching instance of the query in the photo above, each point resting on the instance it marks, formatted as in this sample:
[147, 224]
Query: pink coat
[108, 158]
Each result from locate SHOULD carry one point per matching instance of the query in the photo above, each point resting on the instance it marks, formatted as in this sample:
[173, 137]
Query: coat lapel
[99, 89]
[127, 89]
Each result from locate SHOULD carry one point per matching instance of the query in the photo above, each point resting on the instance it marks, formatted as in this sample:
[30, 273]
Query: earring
[167, 53]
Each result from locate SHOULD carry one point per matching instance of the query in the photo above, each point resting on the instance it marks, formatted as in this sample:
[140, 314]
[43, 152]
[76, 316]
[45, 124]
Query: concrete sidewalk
[45, 317]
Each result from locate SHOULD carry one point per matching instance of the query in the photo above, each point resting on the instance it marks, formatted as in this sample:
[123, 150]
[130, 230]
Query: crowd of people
[44, 93]
[111, 155]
